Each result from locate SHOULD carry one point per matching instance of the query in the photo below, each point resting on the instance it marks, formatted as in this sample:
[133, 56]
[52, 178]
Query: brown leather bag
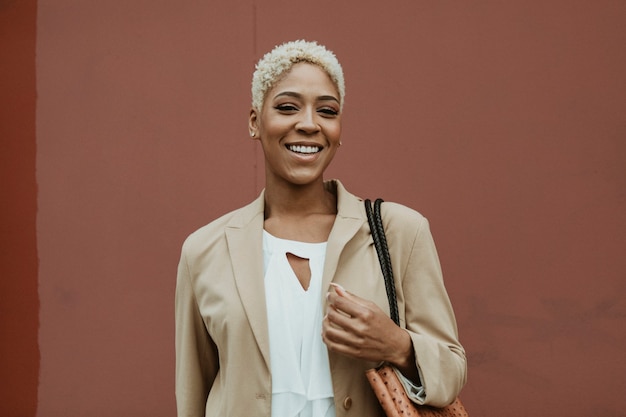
[384, 380]
[396, 403]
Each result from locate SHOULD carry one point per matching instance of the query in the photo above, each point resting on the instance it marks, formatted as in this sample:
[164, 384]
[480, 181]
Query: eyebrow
[298, 95]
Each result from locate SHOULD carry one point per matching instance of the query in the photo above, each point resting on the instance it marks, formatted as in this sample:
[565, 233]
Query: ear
[253, 124]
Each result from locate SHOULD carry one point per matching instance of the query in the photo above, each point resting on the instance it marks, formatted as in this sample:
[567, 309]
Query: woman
[264, 326]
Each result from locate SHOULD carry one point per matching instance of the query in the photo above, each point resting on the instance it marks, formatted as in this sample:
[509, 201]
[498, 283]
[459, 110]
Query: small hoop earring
[253, 134]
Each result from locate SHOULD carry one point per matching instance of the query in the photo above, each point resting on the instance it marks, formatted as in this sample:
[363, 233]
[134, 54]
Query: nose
[307, 123]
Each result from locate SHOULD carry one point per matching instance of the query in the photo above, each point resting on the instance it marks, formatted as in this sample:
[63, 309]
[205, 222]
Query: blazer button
[347, 403]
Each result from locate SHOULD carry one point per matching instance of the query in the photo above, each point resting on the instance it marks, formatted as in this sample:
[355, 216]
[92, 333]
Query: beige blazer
[222, 347]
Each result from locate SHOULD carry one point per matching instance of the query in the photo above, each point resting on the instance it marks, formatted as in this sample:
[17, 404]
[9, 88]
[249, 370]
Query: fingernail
[338, 288]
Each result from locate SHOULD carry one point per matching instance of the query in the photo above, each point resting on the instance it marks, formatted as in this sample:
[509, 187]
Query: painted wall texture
[19, 300]
[124, 128]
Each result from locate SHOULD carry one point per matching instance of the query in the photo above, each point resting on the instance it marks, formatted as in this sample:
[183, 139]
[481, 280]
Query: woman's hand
[359, 328]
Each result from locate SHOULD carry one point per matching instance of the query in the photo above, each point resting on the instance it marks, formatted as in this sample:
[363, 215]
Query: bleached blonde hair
[279, 61]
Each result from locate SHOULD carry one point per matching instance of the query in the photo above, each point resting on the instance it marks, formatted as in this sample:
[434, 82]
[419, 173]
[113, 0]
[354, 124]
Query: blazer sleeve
[197, 361]
[430, 320]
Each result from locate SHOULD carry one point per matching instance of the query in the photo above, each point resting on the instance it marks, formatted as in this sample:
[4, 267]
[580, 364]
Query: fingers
[352, 325]
[343, 317]
[343, 299]
[339, 289]
[341, 322]
[357, 327]
[338, 335]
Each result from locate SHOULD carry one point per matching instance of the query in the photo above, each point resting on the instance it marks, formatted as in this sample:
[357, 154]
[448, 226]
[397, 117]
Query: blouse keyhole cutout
[301, 268]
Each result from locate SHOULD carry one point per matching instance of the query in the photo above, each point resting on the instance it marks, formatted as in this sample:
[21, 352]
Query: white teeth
[304, 149]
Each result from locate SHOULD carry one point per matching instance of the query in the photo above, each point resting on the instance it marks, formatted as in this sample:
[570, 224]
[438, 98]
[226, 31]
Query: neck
[298, 201]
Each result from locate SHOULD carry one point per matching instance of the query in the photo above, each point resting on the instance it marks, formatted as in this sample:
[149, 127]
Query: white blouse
[301, 381]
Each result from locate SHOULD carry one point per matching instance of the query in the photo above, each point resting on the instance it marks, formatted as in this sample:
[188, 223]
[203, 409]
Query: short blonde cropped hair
[279, 60]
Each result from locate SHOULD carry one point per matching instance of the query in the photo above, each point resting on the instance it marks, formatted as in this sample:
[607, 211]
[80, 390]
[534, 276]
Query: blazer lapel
[244, 235]
[350, 218]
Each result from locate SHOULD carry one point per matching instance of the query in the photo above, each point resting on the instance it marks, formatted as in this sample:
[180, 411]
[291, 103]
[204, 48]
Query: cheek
[333, 131]
[336, 133]
[275, 127]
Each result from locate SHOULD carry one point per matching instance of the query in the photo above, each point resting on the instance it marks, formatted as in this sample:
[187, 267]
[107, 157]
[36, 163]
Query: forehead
[305, 77]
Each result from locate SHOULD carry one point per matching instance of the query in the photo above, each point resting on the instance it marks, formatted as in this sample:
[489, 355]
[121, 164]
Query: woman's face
[299, 126]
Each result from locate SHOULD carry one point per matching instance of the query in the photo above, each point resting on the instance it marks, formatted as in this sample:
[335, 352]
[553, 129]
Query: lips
[305, 150]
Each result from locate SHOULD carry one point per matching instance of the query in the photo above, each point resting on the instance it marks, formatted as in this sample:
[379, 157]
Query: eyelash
[329, 112]
[285, 107]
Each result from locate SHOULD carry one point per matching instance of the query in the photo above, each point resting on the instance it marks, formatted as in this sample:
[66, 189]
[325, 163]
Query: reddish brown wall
[19, 304]
[503, 122]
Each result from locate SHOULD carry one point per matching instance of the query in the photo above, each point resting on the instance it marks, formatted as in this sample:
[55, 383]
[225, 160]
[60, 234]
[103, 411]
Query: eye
[328, 111]
[287, 108]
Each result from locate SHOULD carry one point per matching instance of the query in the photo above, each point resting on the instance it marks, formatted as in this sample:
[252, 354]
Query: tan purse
[384, 380]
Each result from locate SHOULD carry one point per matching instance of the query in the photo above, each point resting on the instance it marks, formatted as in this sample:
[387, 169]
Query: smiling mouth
[305, 150]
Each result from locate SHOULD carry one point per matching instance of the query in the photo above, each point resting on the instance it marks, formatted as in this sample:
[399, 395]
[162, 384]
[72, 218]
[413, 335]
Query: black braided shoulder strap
[380, 242]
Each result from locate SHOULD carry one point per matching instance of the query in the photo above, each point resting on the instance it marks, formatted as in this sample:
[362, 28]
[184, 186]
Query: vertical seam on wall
[255, 176]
